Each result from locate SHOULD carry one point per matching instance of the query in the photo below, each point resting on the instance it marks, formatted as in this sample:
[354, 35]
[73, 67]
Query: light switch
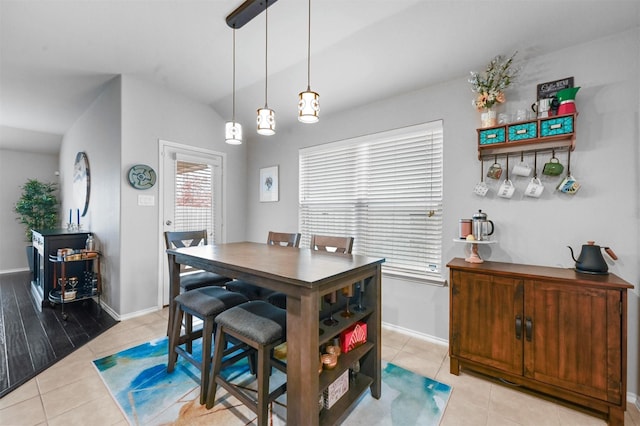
[146, 200]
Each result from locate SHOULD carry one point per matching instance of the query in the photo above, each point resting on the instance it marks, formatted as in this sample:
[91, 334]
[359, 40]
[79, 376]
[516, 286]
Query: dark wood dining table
[305, 276]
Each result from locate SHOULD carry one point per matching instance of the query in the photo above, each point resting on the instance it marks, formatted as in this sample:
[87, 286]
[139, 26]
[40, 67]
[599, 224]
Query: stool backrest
[179, 239]
[283, 239]
[326, 242]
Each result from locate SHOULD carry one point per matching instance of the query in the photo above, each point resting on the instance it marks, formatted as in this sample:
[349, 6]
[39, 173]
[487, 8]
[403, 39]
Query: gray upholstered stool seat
[250, 291]
[262, 327]
[201, 279]
[204, 303]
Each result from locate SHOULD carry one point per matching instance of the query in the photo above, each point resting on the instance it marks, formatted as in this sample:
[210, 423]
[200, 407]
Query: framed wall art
[269, 184]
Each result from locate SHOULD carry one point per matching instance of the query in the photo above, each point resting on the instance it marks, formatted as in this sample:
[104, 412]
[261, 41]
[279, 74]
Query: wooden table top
[303, 267]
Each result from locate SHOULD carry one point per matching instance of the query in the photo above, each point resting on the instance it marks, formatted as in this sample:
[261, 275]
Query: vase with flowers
[490, 86]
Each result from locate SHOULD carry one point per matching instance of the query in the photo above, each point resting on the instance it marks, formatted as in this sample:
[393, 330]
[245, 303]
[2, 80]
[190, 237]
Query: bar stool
[191, 278]
[204, 303]
[255, 292]
[261, 326]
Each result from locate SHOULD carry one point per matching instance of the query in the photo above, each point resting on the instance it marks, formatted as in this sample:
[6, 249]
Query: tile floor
[72, 393]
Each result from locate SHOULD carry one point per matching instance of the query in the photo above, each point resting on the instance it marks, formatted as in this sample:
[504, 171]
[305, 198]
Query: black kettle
[591, 260]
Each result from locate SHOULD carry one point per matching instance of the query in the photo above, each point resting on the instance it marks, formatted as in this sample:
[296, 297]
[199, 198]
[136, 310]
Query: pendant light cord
[309, 50]
[234, 76]
[266, 47]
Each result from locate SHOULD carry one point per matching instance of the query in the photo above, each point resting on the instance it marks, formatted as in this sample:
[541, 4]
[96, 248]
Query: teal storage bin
[523, 131]
[557, 126]
[491, 136]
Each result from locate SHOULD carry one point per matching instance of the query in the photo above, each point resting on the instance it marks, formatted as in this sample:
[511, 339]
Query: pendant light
[266, 117]
[308, 101]
[233, 129]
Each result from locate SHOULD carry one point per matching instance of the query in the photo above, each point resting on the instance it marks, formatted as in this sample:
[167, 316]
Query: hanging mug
[535, 188]
[553, 167]
[569, 185]
[481, 189]
[506, 189]
[495, 171]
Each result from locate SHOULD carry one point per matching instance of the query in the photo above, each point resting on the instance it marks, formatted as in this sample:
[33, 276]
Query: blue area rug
[138, 381]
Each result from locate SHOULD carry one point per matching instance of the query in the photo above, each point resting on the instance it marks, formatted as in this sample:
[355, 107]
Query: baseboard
[637, 402]
[109, 310]
[138, 313]
[13, 271]
[413, 333]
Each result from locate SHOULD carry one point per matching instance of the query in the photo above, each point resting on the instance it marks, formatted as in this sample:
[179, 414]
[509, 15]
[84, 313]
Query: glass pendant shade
[266, 121]
[308, 106]
[233, 133]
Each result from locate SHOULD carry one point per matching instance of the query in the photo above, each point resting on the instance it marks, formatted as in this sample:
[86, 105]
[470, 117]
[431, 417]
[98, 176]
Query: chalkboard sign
[548, 90]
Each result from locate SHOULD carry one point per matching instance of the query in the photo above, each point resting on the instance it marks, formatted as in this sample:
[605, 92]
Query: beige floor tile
[26, 413]
[102, 411]
[74, 395]
[460, 412]
[393, 338]
[389, 353]
[471, 389]
[69, 370]
[27, 391]
[423, 347]
[522, 408]
[568, 416]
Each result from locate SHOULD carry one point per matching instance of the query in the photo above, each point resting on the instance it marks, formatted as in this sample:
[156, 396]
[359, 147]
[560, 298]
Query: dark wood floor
[30, 340]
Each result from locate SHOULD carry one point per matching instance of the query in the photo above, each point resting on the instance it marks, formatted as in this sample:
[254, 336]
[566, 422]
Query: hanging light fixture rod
[247, 11]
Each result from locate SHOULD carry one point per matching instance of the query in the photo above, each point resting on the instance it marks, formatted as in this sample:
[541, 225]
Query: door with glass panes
[192, 195]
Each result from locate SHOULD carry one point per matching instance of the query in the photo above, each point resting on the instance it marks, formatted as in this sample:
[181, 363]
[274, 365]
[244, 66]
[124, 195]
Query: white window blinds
[385, 190]
[194, 192]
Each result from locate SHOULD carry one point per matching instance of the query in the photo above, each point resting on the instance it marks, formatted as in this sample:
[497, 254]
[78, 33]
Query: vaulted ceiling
[56, 56]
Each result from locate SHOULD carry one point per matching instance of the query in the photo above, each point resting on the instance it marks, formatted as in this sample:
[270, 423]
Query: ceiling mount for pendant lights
[308, 101]
[266, 119]
[247, 11]
[233, 129]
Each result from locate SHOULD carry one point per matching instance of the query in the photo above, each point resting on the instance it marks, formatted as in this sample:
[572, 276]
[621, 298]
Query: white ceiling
[55, 56]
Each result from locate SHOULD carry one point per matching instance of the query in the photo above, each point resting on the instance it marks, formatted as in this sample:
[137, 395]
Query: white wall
[150, 114]
[16, 167]
[530, 231]
[98, 133]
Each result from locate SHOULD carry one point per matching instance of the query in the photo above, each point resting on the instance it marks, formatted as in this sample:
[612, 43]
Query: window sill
[417, 278]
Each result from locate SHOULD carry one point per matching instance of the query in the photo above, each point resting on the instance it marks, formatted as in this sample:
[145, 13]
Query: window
[383, 189]
[196, 195]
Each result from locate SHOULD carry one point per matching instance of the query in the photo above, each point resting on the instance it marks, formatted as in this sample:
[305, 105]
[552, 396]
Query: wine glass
[360, 307]
[348, 293]
[331, 299]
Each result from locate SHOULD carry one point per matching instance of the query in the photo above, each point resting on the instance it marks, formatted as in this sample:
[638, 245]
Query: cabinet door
[484, 311]
[575, 341]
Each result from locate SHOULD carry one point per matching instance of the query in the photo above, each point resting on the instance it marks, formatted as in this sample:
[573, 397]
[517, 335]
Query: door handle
[518, 327]
[168, 223]
[528, 326]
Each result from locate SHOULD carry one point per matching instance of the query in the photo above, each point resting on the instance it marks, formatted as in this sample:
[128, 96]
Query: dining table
[306, 276]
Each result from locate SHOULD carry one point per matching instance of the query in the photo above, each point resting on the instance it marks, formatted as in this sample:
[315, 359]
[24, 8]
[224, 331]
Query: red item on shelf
[353, 336]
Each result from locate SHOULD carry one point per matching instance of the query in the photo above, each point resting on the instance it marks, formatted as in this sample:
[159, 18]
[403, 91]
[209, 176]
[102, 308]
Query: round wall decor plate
[142, 176]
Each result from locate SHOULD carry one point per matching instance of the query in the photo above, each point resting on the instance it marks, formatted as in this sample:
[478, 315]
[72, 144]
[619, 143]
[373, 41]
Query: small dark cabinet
[46, 243]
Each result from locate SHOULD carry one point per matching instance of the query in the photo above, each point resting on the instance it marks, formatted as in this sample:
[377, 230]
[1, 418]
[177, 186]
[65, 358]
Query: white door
[191, 196]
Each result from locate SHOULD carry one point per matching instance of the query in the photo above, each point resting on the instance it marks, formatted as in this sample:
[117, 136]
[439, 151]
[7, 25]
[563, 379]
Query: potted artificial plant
[37, 208]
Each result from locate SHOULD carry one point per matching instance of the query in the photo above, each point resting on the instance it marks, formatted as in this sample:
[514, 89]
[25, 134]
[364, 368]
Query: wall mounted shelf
[544, 134]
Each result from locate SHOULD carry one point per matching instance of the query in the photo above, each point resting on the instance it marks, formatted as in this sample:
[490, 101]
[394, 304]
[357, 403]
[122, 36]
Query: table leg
[302, 359]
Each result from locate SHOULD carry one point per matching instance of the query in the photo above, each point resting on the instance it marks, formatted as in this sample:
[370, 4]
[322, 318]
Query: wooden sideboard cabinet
[552, 330]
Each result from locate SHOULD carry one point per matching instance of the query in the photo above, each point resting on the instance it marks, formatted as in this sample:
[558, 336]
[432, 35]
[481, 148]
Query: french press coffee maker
[480, 226]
